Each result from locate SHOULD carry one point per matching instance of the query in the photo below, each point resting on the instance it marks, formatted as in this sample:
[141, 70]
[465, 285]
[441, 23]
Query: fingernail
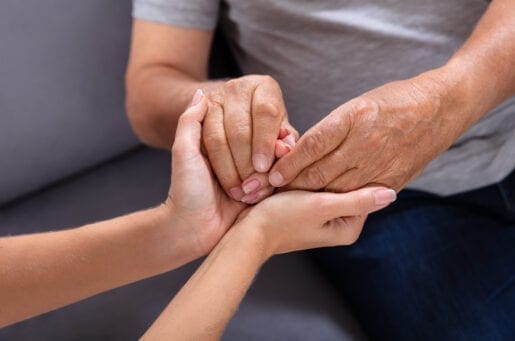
[251, 186]
[384, 196]
[261, 163]
[290, 140]
[236, 193]
[196, 98]
[276, 179]
[250, 198]
[254, 198]
[283, 132]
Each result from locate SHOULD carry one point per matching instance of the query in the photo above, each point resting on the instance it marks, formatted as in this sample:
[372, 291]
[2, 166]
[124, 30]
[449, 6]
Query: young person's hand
[196, 201]
[299, 220]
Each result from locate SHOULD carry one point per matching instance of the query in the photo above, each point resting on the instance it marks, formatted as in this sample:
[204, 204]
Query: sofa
[69, 157]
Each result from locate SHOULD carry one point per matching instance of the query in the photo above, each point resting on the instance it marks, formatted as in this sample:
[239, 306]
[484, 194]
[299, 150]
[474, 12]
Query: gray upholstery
[289, 300]
[61, 89]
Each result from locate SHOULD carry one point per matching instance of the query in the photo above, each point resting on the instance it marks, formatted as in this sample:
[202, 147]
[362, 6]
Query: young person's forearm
[45, 271]
[156, 96]
[204, 306]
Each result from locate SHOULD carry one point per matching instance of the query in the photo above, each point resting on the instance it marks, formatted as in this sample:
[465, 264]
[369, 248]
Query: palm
[201, 201]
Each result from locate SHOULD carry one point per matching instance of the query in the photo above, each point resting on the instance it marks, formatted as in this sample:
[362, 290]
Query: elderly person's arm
[388, 135]
[167, 63]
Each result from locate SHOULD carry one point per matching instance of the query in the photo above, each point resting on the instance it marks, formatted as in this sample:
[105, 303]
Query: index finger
[317, 142]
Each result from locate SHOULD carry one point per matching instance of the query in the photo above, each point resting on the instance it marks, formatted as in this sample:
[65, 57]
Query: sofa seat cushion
[289, 300]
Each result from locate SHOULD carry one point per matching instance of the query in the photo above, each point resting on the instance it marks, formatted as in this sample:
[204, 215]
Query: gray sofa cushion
[61, 89]
[289, 300]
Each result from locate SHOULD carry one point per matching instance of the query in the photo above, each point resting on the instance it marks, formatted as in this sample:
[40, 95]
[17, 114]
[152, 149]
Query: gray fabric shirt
[326, 52]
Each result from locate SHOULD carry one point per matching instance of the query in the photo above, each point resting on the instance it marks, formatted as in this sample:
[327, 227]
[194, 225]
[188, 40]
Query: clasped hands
[204, 198]
[369, 145]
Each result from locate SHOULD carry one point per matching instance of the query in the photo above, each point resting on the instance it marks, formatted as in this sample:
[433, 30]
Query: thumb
[360, 202]
[189, 127]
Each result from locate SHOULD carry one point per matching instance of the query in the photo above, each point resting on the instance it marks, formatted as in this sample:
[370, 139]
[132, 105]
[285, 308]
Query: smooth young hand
[196, 200]
[299, 220]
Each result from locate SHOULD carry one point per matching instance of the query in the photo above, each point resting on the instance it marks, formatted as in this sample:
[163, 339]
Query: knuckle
[313, 144]
[362, 202]
[365, 106]
[232, 85]
[364, 111]
[213, 139]
[267, 79]
[226, 180]
[239, 134]
[216, 99]
[315, 177]
[268, 109]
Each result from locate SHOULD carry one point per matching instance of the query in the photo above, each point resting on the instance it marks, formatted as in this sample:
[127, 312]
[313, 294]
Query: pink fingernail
[236, 193]
[261, 163]
[197, 97]
[290, 140]
[251, 186]
[249, 198]
[283, 132]
[254, 198]
[276, 179]
[384, 196]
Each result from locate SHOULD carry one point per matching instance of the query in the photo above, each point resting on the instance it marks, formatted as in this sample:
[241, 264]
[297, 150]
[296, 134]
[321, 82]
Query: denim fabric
[433, 268]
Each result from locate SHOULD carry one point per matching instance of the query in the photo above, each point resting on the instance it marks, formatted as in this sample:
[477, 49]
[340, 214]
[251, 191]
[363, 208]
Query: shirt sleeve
[201, 14]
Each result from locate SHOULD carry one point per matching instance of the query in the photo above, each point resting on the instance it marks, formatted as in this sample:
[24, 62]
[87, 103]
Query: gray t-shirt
[326, 52]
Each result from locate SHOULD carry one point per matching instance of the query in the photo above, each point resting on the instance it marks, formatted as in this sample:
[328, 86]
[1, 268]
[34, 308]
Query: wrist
[177, 238]
[251, 235]
[462, 91]
[455, 107]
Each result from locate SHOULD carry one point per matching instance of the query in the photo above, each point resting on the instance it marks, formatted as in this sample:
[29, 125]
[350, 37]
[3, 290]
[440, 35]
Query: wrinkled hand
[245, 129]
[384, 137]
[299, 220]
[196, 200]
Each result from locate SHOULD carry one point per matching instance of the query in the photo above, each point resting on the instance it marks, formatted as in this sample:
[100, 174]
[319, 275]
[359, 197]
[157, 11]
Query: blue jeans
[433, 268]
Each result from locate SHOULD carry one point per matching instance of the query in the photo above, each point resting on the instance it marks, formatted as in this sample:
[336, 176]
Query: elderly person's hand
[245, 129]
[202, 210]
[384, 137]
[196, 202]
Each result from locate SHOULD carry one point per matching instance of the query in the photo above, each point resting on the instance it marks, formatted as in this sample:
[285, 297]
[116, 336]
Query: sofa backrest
[62, 65]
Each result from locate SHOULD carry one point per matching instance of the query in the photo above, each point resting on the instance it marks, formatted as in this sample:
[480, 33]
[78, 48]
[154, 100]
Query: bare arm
[388, 135]
[205, 305]
[484, 66]
[167, 64]
[282, 223]
[45, 271]
[245, 115]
